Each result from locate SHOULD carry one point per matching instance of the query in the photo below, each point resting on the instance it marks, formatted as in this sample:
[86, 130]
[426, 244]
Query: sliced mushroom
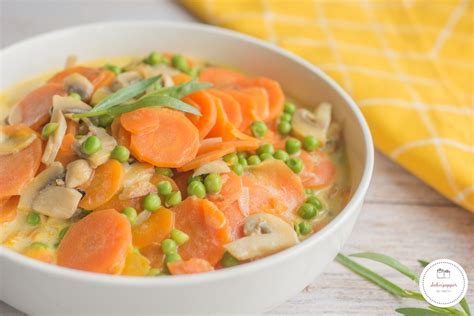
[58, 202]
[55, 139]
[77, 83]
[42, 180]
[265, 235]
[15, 138]
[125, 79]
[216, 166]
[137, 172]
[305, 123]
[167, 81]
[137, 189]
[148, 71]
[69, 105]
[78, 172]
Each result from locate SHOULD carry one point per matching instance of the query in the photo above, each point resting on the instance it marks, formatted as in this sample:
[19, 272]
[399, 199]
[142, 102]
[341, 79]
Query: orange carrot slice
[105, 183]
[72, 127]
[8, 208]
[235, 217]
[34, 107]
[172, 145]
[230, 192]
[97, 76]
[276, 97]
[260, 97]
[136, 264]
[241, 145]
[274, 188]
[248, 107]
[220, 76]
[205, 158]
[319, 171]
[97, 243]
[205, 103]
[122, 136]
[156, 228]
[207, 229]
[141, 121]
[18, 169]
[191, 266]
[230, 105]
[181, 78]
[66, 154]
[42, 254]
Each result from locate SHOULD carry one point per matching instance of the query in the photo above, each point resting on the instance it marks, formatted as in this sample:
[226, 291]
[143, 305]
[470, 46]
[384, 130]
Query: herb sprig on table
[396, 290]
[122, 101]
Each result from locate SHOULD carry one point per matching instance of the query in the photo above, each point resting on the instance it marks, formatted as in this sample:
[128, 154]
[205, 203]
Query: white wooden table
[402, 217]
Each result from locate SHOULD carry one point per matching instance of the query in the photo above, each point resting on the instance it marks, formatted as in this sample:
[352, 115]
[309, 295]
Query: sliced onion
[209, 141]
[244, 201]
[216, 166]
[142, 217]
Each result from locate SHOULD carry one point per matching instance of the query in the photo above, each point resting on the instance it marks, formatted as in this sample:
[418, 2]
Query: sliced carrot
[260, 97]
[39, 253]
[248, 107]
[220, 76]
[98, 243]
[119, 204]
[206, 105]
[66, 154]
[156, 228]
[319, 171]
[99, 77]
[122, 136]
[105, 183]
[240, 145]
[235, 217]
[136, 265]
[157, 178]
[276, 97]
[72, 127]
[207, 229]
[34, 107]
[141, 121]
[205, 158]
[230, 191]
[172, 145]
[191, 266]
[154, 254]
[8, 208]
[274, 188]
[18, 169]
[181, 180]
[181, 78]
[230, 105]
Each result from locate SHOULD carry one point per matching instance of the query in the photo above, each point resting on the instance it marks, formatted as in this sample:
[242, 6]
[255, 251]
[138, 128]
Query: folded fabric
[409, 65]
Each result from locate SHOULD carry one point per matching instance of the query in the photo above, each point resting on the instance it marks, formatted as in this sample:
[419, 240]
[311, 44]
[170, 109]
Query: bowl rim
[180, 280]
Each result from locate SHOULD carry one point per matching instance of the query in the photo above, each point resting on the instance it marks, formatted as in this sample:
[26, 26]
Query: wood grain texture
[401, 217]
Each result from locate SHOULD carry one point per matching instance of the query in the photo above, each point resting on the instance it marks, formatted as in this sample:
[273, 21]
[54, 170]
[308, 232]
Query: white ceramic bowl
[38, 288]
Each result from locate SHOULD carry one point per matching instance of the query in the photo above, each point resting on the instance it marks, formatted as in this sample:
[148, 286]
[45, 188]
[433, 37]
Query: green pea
[48, 130]
[91, 145]
[265, 156]
[213, 183]
[228, 260]
[281, 155]
[253, 160]
[180, 62]
[155, 58]
[179, 236]
[310, 143]
[105, 120]
[135, 250]
[238, 169]
[307, 211]
[151, 202]
[266, 149]
[315, 202]
[38, 245]
[259, 129]
[309, 192]
[305, 228]
[131, 214]
[284, 127]
[231, 158]
[169, 246]
[33, 218]
[173, 199]
[63, 232]
[292, 146]
[243, 162]
[153, 272]
[195, 178]
[193, 72]
[75, 96]
[285, 117]
[242, 154]
[289, 108]
[295, 164]
[172, 257]
[164, 171]
[197, 189]
[296, 227]
[164, 188]
[115, 69]
[120, 153]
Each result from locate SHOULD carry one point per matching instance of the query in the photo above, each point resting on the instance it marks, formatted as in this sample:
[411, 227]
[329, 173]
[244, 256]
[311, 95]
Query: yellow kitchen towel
[408, 64]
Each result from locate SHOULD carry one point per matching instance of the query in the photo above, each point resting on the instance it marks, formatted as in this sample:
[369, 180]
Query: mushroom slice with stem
[57, 202]
[42, 180]
[56, 138]
[78, 172]
[265, 235]
[77, 83]
[14, 138]
[69, 105]
[316, 123]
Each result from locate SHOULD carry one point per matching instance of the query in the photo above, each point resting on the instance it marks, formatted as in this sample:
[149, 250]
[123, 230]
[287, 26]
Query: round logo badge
[443, 283]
